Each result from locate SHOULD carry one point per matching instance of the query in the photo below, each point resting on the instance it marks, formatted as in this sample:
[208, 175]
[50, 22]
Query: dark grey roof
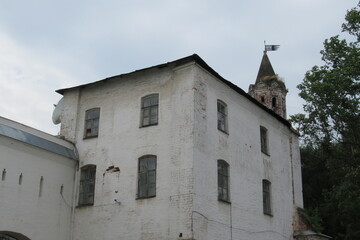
[265, 69]
[202, 63]
[36, 141]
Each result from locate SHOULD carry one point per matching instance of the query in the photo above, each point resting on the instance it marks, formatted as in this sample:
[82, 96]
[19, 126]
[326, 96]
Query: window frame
[223, 182]
[222, 116]
[94, 121]
[145, 176]
[264, 140]
[266, 190]
[149, 110]
[87, 185]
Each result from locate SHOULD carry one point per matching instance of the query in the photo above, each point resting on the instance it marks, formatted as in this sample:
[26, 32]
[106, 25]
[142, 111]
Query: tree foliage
[330, 132]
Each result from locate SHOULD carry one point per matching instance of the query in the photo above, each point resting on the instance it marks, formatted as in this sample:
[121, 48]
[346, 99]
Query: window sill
[139, 198]
[268, 214]
[225, 132]
[267, 154]
[84, 205]
[224, 201]
[89, 137]
[155, 124]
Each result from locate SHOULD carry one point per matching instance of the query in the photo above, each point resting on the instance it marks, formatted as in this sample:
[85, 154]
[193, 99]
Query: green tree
[330, 132]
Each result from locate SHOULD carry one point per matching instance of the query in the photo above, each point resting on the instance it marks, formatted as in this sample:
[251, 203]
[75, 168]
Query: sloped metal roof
[36, 141]
[197, 59]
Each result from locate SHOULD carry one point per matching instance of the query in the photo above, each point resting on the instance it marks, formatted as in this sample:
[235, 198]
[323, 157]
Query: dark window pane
[149, 110]
[147, 176]
[87, 185]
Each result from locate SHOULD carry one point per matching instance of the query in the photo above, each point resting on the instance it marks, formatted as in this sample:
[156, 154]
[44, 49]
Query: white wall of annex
[122, 141]
[243, 218]
[22, 209]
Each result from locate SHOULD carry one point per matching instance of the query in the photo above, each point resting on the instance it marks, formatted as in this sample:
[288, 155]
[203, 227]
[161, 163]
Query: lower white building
[36, 185]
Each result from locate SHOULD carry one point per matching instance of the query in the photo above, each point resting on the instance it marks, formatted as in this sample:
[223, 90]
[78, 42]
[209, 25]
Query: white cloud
[27, 86]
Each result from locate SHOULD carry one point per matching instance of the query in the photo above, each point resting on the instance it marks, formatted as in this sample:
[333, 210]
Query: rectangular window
[92, 117]
[266, 197]
[87, 185]
[264, 140]
[223, 181]
[147, 177]
[222, 116]
[149, 110]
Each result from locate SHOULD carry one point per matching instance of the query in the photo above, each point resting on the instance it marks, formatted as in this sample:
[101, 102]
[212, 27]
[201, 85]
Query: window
[92, 122]
[223, 180]
[262, 99]
[41, 186]
[274, 102]
[149, 110]
[222, 116]
[147, 177]
[264, 140]
[3, 176]
[87, 185]
[266, 197]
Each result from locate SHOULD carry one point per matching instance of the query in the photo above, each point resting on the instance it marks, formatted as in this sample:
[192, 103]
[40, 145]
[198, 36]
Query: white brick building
[173, 151]
[178, 154]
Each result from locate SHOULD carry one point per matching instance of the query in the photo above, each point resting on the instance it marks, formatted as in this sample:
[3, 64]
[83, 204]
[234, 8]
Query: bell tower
[269, 89]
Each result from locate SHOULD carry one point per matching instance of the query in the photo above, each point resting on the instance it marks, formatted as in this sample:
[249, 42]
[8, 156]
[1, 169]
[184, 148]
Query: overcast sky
[46, 45]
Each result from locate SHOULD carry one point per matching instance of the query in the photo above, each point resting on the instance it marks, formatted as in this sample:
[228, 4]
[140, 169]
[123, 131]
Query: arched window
[149, 110]
[223, 181]
[87, 185]
[274, 104]
[266, 184]
[264, 140]
[147, 176]
[222, 116]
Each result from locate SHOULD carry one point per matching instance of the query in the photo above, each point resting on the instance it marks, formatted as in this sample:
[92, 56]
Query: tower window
[274, 102]
[262, 99]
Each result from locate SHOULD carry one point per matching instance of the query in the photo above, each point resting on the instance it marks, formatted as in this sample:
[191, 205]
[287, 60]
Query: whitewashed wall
[243, 218]
[121, 142]
[187, 144]
[22, 209]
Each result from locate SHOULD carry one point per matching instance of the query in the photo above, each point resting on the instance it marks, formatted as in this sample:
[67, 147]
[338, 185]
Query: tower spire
[269, 89]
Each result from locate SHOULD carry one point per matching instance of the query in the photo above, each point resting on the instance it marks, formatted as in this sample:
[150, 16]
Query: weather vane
[270, 47]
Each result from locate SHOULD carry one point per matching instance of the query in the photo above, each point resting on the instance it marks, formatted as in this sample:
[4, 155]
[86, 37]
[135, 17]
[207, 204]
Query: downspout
[72, 225]
[76, 175]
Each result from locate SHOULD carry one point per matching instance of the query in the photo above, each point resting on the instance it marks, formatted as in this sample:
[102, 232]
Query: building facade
[37, 184]
[175, 151]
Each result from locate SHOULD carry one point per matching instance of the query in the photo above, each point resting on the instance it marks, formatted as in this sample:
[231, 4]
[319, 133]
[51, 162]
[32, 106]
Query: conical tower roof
[265, 70]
